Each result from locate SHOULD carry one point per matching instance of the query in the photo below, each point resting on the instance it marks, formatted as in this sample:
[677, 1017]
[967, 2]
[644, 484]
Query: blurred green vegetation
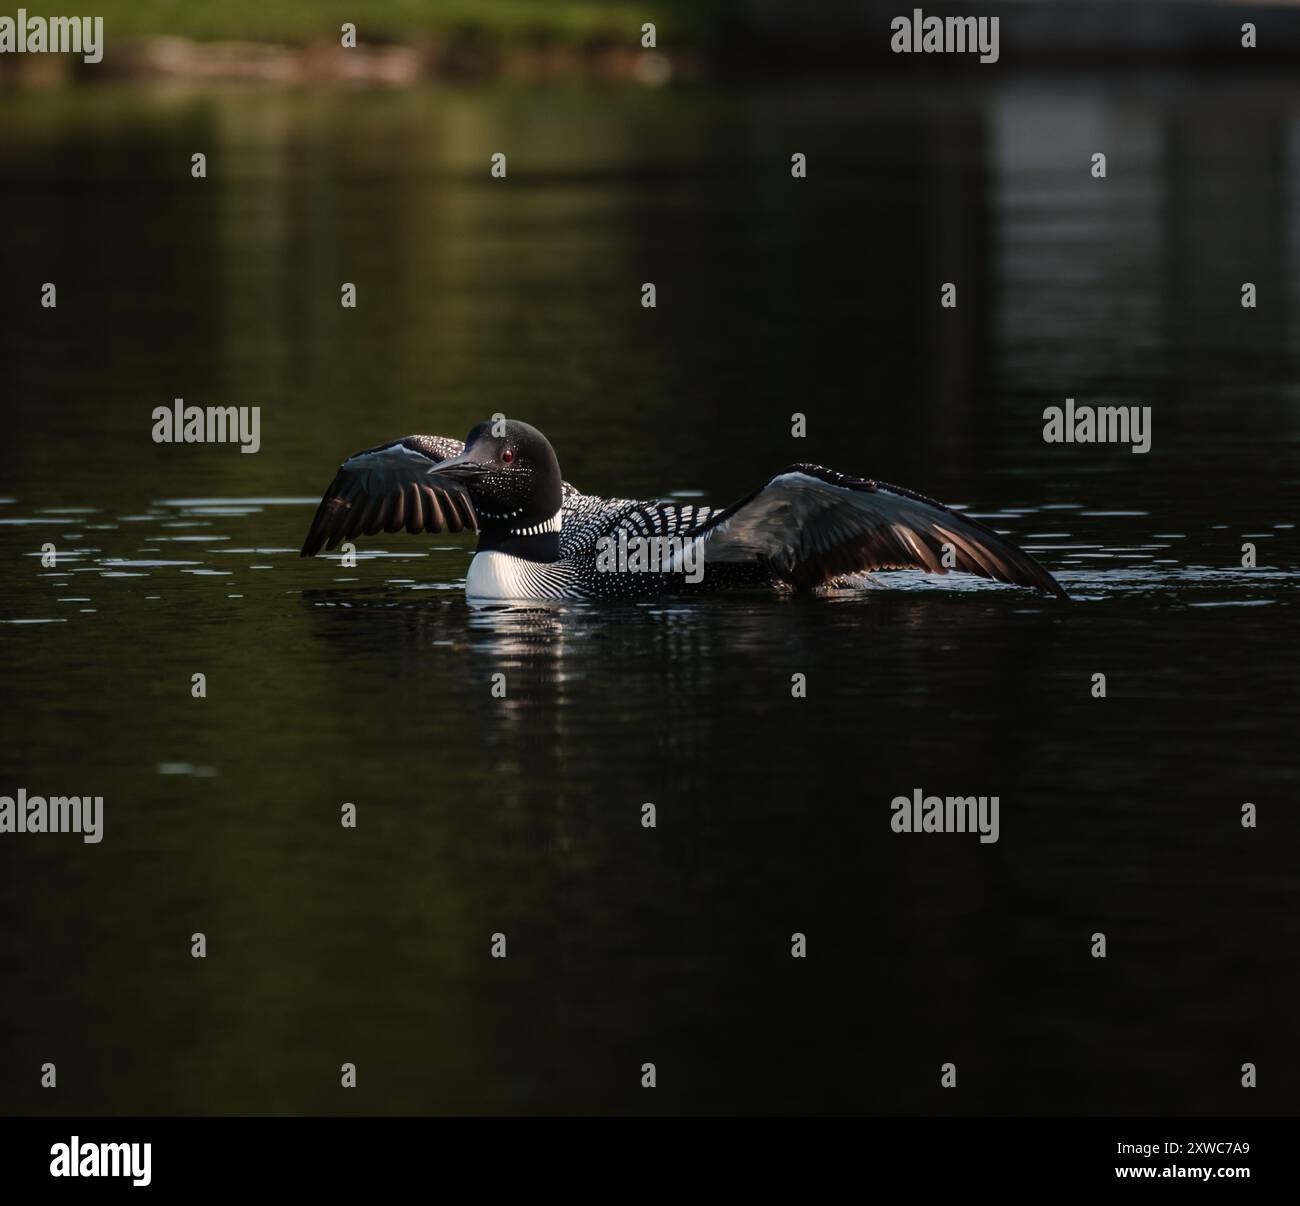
[503, 22]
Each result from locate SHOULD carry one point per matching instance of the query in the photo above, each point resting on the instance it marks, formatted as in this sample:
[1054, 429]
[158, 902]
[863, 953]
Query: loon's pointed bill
[539, 538]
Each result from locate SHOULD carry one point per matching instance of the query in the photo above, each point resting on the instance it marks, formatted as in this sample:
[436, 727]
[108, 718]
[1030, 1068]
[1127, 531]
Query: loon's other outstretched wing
[386, 488]
[810, 525]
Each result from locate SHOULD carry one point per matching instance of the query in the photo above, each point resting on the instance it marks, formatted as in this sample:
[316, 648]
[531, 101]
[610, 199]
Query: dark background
[775, 295]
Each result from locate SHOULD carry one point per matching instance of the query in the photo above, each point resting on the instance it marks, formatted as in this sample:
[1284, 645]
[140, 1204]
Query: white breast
[495, 575]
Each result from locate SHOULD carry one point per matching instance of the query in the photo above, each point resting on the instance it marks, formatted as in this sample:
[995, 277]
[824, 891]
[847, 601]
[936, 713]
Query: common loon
[539, 538]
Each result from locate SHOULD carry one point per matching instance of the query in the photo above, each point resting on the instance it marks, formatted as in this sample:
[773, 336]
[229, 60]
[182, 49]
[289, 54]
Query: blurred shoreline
[323, 62]
[524, 40]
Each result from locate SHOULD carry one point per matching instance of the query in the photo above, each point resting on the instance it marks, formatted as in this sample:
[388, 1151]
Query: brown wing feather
[810, 525]
[386, 489]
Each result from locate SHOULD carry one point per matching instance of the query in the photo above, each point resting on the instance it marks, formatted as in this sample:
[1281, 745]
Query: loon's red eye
[507, 456]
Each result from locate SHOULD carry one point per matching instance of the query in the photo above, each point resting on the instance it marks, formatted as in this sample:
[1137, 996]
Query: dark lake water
[371, 685]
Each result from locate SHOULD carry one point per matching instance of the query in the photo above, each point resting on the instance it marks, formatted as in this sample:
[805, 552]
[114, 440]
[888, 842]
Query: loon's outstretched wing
[386, 488]
[810, 525]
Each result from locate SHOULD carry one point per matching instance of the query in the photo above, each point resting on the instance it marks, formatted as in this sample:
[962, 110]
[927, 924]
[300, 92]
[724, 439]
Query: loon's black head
[512, 476]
